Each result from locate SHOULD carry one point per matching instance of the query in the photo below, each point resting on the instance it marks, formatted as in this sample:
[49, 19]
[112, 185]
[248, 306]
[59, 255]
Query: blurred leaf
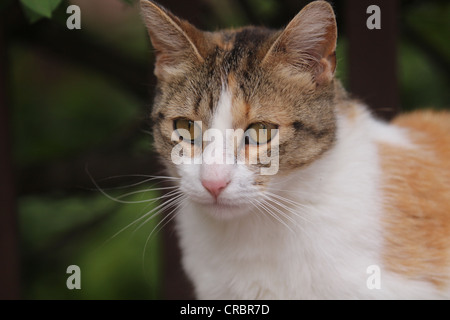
[425, 56]
[342, 63]
[229, 13]
[422, 84]
[66, 110]
[266, 8]
[36, 9]
[116, 261]
[42, 7]
[31, 15]
[432, 22]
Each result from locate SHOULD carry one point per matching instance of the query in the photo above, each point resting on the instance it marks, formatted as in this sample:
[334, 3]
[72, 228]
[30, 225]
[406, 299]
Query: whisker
[292, 211]
[175, 210]
[117, 199]
[277, 200]
[292, 202]
[262, 203]
[169, 217]
[283, 214]
[163, 206]
[146, 190]
[256, 203]
[134, 175]
[145, 216]
[148, 178]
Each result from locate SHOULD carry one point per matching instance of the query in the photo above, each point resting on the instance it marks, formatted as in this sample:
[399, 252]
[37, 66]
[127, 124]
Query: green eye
[259, 133]
[187, 129]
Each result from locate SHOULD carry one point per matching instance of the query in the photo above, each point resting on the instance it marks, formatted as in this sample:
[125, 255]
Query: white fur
[236, 194]
[223, 118]
[321, 252]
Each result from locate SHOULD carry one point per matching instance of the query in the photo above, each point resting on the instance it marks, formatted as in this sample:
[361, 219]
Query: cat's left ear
[308, 43]
[177, 43]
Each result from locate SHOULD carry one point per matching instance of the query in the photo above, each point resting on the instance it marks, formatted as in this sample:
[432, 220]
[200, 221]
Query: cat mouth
[214, 202]
[221, 206]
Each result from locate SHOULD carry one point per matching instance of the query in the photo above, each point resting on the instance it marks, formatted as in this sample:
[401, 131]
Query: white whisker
[278, 200]
[283, 214]
[264, 205]
[145, 216]
[146, 190]
[161, 208]
[148, 178]
[169, 217]
[294, 203]
[179, 203]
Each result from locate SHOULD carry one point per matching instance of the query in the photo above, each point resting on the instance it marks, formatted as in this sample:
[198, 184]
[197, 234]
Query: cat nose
[215, 187]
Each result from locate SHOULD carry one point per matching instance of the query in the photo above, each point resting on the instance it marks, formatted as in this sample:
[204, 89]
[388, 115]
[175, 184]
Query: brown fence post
[372, 55]
[9, 255]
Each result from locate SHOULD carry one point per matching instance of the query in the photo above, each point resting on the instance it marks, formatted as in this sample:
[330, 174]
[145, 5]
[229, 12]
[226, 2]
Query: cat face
[236, 110]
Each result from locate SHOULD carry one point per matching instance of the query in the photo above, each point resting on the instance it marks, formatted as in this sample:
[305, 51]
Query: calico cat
[355, 208]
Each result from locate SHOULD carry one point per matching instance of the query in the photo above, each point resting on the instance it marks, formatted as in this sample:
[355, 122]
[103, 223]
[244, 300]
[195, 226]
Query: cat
[355, 208]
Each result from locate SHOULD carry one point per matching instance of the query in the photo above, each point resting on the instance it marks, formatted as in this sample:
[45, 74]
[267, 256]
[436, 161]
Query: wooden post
[9, 256]
[372, 55]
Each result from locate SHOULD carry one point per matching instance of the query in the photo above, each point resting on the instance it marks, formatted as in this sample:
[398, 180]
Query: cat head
[235, 110]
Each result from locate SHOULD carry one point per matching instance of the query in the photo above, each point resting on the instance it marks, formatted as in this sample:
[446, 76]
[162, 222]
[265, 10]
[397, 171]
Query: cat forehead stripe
[223, 118]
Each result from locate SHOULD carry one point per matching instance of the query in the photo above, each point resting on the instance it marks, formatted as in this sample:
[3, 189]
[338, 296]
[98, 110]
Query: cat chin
[223, 210]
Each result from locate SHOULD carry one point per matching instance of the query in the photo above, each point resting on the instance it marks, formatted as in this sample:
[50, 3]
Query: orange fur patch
[417, 195]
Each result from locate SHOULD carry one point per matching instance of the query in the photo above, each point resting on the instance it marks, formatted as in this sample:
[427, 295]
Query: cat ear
[176, 42]
[308, 43]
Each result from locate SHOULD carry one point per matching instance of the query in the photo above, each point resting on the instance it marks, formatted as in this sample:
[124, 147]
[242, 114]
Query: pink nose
[215, 187]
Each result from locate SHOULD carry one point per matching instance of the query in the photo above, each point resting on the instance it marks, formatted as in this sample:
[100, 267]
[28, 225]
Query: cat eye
[188, 130]
[259, 133]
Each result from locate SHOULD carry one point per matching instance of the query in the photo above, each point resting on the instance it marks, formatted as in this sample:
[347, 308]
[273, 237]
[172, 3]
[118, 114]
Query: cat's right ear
[176, 42]
[308, 43]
